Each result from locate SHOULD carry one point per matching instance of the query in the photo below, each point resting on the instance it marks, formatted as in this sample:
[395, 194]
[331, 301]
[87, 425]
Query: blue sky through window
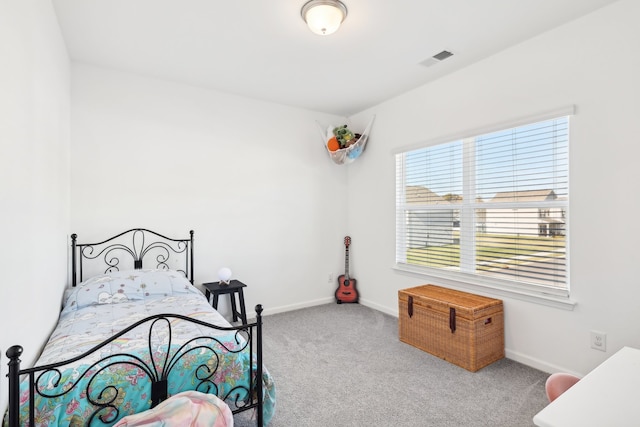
[530, 157]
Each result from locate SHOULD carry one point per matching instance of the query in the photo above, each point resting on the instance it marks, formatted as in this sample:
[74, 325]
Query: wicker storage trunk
[462, 328]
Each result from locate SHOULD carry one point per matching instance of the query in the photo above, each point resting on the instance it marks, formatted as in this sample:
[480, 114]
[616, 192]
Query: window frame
[548, 295]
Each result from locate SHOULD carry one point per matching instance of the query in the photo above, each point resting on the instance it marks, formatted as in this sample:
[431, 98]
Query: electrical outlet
[330, 278]
[599, 340]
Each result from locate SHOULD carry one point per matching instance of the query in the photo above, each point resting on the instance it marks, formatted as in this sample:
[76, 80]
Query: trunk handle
[452, 319]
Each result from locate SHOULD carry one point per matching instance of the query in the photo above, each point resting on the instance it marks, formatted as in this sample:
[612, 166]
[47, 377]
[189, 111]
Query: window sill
[478, 284]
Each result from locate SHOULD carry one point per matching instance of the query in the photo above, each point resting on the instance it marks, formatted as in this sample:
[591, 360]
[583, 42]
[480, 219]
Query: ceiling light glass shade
[324, 16]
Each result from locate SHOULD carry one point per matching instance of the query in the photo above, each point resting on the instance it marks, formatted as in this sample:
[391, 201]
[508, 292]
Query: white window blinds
[493, 206]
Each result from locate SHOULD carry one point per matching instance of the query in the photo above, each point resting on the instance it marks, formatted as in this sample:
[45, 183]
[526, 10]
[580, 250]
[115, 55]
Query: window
[488, 209]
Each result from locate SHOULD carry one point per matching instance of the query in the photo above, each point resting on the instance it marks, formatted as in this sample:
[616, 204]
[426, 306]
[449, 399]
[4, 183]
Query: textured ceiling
[262, 48]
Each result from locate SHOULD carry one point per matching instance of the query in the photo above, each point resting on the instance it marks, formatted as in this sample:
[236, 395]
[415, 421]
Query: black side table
[234, 287]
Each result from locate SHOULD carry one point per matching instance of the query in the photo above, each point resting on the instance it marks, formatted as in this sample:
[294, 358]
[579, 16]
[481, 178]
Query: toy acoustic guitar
[346, 291]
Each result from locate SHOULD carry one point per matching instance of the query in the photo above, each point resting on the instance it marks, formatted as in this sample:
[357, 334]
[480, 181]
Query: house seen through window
[489, 208]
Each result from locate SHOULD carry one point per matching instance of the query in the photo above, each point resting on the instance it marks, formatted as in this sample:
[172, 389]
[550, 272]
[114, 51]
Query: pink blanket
[186, 409]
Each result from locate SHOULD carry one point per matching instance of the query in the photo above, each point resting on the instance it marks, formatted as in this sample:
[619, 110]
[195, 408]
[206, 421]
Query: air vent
[443, 55]
[436, 58]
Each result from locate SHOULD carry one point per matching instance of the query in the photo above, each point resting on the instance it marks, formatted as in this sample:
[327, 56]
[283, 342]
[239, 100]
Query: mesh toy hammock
[347, 155]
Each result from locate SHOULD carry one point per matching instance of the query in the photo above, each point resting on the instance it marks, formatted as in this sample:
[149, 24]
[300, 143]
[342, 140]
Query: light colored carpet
[343, 365]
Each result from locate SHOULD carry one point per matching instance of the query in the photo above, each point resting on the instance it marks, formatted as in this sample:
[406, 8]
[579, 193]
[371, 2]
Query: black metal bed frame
[248, 338]
[162, 247]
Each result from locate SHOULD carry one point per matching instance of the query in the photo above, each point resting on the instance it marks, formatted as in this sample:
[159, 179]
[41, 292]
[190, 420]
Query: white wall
[594, 63]
[34, 175]
[252, 179]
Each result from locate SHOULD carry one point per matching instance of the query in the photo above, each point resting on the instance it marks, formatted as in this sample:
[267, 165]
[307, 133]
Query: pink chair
[558, 383]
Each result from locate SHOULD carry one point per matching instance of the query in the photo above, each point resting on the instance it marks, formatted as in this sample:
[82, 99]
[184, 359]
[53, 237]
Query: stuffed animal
[344, 136]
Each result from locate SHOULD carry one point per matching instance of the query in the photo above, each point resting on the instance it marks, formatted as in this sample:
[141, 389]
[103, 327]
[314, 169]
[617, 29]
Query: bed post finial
[191, 256]
[74, 236]
[14, 353]
[258, 391]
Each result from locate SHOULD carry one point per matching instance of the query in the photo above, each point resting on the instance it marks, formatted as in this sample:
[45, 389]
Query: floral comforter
[118, 374]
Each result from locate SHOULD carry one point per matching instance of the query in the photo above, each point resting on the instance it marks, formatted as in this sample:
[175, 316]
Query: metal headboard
[131, 245]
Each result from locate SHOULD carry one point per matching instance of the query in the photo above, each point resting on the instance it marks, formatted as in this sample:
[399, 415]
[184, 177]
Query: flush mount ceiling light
[324, 16]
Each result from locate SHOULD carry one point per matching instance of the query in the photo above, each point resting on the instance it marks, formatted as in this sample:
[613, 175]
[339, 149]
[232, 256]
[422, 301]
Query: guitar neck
[346, 263]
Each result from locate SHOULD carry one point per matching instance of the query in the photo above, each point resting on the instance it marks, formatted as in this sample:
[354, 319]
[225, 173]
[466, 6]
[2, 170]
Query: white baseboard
[292, 307]
[532, 362]
[321, 301]
[537, 363]
[510, 354]
[378, 307]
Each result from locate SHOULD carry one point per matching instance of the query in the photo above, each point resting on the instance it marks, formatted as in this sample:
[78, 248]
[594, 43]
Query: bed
[134, 333]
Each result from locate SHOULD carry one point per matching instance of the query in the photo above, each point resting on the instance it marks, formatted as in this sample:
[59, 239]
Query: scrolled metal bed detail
[104, 398]
[137, 250]
[135, 369]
